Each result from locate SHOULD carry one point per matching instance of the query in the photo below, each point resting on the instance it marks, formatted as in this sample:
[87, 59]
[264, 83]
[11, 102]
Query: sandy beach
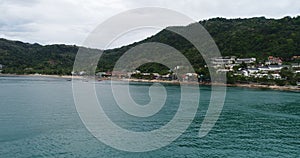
[274, 87]
[42, 75]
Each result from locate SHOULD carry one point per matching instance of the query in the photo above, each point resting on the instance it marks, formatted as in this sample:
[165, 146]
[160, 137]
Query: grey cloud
[66, 21]
[20, 2]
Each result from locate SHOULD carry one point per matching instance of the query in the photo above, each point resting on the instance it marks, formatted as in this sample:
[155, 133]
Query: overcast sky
[70, 21]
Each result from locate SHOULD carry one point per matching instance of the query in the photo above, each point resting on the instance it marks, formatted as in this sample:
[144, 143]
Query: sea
[38, 118]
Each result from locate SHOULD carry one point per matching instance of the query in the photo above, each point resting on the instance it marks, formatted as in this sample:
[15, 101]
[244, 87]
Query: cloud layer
[70, 22]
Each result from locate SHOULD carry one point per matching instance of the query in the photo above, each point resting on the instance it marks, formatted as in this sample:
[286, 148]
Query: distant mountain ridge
[254, 37]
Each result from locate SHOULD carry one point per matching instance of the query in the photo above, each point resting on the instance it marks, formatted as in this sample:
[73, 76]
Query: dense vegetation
[21, 58]
[254, 37]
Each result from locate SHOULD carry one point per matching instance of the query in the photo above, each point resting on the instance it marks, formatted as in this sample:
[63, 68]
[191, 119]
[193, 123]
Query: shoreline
[252, 86]
[42, 75]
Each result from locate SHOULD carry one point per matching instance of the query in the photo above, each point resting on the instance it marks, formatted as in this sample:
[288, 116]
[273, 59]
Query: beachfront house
[119, 74]
[156, 75]
[190, 77]
[100, 74]
[166, 77]
[81, 73]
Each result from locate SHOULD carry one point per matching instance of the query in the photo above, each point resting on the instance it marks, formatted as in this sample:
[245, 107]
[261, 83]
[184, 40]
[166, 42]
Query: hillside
[254, 37]
[18, 57]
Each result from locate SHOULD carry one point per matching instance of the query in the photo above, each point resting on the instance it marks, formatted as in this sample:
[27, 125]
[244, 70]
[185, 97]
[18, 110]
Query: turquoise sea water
[38, 119]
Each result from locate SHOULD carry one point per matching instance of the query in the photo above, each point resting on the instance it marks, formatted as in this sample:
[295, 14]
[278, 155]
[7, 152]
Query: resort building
[245, 60]
[223, 60]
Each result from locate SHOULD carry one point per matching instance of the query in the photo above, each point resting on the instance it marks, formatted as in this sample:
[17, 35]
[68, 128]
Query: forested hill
[19, 57]
[254, 37]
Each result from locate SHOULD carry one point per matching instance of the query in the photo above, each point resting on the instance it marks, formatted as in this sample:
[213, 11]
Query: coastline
[273, 87]
[42, 75]
[257, 86]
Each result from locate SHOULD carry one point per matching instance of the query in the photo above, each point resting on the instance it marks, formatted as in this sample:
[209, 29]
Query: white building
[82, 73]
[245, 60]
[156, 74]
[223, 60]
[146, 74]
[100, 74]
[263, 68]
[223, 70]
[276, 76]
[295, 65]
[245, 73]
[297, 71]
[275, 67]
[253, 70]
[270, 68]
